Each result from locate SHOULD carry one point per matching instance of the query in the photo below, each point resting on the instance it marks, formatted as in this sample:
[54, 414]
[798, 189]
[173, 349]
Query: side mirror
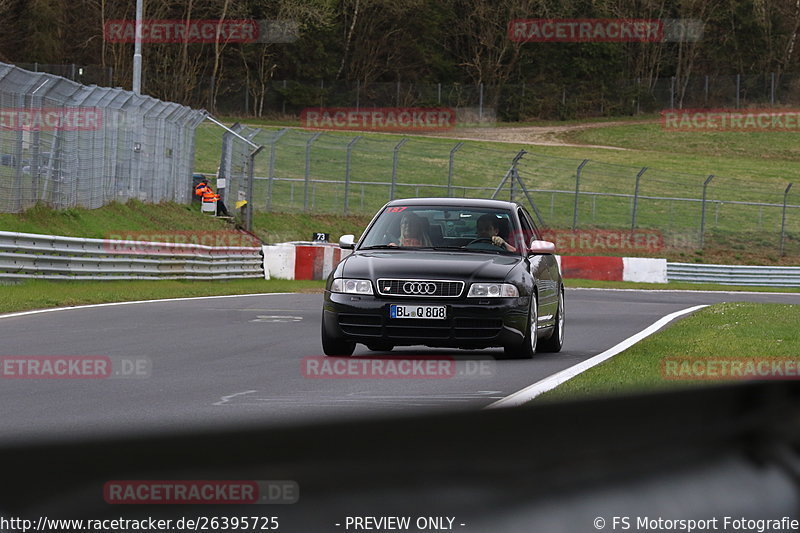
[347, 241]
[542, 247]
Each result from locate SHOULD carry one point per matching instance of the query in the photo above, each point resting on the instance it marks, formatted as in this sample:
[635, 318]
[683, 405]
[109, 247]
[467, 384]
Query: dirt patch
[534, 135]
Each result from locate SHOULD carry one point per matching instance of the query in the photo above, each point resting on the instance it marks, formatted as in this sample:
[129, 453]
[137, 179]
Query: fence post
[783, 218]
[638, 95]
[248, 215]
[703, 213]
[398, 94]
[394, 167]
[706, 91]
[308, 168]
[509, 174]
[347, 171]
[577, 192]
[480, 103]
[450, 169]
[271, 174]
[636, 198]
[439, 92]
[738, 88]
[672, 92]
[772, 88]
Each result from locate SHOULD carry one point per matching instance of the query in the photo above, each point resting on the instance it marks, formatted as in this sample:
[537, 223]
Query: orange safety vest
[199, 189]
[209, 195]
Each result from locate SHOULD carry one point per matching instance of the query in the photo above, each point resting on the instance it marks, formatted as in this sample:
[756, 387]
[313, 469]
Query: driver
[489, 228]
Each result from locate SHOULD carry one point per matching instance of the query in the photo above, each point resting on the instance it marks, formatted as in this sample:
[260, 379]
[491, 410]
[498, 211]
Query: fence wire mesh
[343, 173]
[63, 144]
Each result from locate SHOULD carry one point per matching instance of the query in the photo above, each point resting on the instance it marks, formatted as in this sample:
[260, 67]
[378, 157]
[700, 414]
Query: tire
[333, 347]
[527, 349]
[556, 340]
[380, 346]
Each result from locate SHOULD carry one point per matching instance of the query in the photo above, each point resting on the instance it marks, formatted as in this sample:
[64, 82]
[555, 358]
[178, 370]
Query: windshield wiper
[396, 247]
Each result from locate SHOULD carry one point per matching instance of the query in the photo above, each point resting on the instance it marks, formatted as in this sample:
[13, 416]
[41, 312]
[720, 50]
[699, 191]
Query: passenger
[413, 231]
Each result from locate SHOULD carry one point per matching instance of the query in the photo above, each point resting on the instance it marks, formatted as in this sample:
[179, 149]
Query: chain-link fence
[339, 173]
[521, 101]
[64, 144]
[509, 102]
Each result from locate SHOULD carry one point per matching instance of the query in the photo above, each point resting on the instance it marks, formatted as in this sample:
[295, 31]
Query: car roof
[454, 202]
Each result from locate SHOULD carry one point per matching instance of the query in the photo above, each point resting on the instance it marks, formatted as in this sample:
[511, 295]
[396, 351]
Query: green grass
[283, 227]
[722, 331]
[114, 218]
[723, 151]
[41, 294]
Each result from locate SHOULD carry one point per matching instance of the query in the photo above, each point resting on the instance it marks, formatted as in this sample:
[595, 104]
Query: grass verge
[115, 218]
[717, 333]
[42, 294]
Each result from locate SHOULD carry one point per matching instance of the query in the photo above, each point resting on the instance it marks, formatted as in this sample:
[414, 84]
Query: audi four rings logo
[413, 287]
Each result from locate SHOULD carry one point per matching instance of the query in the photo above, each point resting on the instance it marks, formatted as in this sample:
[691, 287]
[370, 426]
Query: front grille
[420, 288]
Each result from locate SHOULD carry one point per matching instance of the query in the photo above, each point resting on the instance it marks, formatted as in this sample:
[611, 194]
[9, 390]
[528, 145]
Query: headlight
[492, 290]
[351, 286]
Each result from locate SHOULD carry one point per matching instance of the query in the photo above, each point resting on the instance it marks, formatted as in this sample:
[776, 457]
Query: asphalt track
[216, 361]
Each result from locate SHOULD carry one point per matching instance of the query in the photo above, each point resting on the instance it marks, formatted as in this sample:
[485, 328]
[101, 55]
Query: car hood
[419, 264]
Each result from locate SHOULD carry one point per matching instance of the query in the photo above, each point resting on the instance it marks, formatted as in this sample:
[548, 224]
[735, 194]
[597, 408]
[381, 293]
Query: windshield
[443, 227]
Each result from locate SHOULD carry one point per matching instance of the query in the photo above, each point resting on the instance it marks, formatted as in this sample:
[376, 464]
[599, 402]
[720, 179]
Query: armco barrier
[773, 276]
[28, 255]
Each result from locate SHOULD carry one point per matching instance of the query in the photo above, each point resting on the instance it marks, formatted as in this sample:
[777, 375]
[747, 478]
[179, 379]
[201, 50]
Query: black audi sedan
[446, 272]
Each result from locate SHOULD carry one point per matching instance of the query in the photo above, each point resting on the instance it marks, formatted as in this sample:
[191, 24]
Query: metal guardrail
[28, 255]
[764, 276]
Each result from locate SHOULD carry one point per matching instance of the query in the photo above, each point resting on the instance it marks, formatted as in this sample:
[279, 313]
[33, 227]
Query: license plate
[418, 311]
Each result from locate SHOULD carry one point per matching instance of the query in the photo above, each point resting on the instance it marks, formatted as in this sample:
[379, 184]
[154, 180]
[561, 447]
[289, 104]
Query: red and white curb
[316, 261]
[301, 261]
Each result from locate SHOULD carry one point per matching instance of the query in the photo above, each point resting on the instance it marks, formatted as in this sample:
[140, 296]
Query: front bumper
[470, 323]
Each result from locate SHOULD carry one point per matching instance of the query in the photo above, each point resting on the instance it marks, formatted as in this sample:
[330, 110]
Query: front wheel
[336, 347]
[556, 340]
[528, 347]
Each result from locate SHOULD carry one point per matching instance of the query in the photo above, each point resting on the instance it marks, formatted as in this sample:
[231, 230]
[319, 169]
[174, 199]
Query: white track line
[109, 304]
[551, 382]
